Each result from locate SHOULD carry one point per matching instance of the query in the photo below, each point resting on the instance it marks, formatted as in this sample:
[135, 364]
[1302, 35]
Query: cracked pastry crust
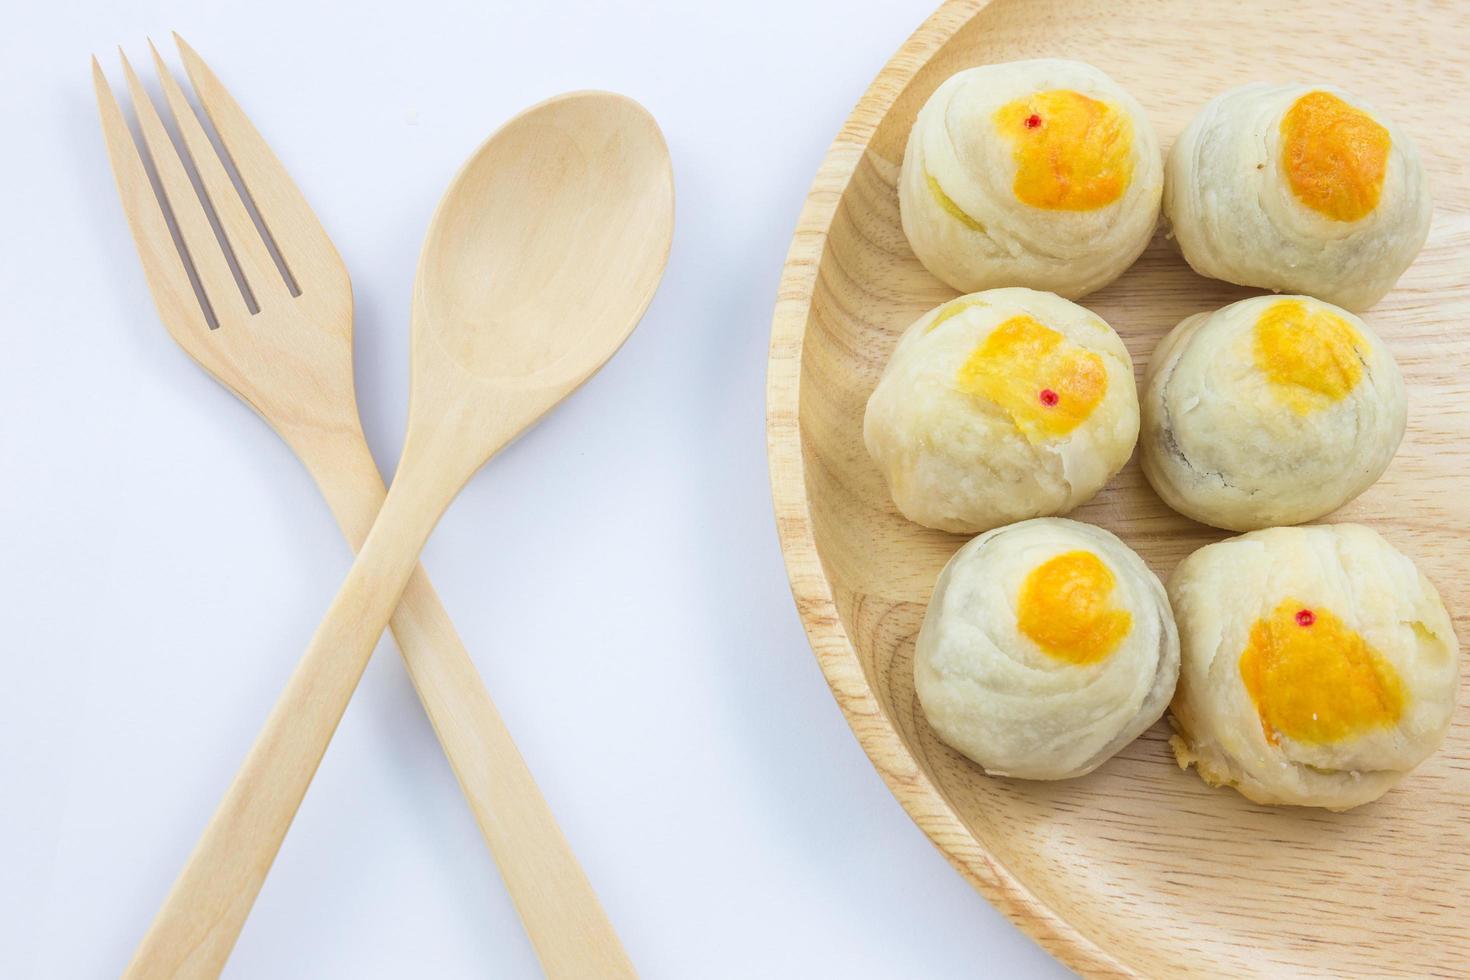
[1001, 406]
[1318, 665]
[1037, 173]
[1047, 646]
[1298, 189]
[1273, 410]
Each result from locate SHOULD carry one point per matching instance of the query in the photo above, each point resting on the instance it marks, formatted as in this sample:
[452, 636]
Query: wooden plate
[1138, 868]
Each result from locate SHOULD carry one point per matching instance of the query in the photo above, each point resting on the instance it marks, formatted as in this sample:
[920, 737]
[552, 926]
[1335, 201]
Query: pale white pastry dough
[1047, 647]
[960, 425]
[1319, 666]
[1273, 410]
[1034, 173]
[1234, 207]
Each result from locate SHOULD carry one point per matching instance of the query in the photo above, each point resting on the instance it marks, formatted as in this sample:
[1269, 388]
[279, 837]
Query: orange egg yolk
[1065, 608]
[1335, 156]
[1044, 382]
[1311, 357]
[1072, 153]
[1315, 680]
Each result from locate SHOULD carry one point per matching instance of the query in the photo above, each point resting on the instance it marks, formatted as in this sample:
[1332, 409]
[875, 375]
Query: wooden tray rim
[815, 603]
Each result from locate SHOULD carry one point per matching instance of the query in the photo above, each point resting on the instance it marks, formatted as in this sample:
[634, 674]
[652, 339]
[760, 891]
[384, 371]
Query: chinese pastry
[1273, 410]
[1000, 406]
[1034, 173]
[1298, 189]
[1047, 647]
[1318, 665]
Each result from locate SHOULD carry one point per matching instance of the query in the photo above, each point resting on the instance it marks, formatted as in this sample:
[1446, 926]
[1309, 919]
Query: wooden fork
[282, 342]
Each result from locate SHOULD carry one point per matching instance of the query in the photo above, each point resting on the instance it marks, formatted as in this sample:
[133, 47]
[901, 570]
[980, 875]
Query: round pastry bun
[1299, 189]
[1319, 666]
[1034, 173]
[1273, 410]
[1047, 647]
[1000, 406]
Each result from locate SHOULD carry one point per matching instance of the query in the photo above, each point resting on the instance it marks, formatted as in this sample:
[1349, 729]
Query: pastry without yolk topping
[1311, 357]
[1335, 156]
[1044, 382]
[1064, 608]
[1314, 679]
[1072, 153]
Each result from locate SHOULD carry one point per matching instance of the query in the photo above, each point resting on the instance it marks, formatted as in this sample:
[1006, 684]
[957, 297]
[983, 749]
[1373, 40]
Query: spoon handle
[561, 914]
[201, 918]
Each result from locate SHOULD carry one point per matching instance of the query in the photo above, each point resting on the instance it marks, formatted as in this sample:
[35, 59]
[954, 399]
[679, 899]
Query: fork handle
[561, 914]
[194, 932]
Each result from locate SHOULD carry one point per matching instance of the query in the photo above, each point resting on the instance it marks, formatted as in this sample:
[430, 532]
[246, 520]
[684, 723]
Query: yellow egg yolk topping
[1334, 155]
[1312, 358]
[1064, 608]
[1315, 680]
[953, 309]
[1044, 382]
[1072, 153]
[950, 207]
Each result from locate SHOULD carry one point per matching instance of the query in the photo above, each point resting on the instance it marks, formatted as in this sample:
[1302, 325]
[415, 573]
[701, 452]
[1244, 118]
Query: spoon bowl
[548, 245]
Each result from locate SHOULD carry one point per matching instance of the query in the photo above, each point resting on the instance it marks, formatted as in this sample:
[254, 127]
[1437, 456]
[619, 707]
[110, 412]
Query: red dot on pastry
[1049, 397]
[1305, 617]
[1032, 121]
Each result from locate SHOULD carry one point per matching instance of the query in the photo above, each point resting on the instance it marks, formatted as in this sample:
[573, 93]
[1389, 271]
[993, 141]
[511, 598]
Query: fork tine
[259, 269]
[163, 267]
[297, 233]
[223, 292]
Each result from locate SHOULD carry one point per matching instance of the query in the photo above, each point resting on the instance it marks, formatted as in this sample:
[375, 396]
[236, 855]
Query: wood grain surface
[1139, 868]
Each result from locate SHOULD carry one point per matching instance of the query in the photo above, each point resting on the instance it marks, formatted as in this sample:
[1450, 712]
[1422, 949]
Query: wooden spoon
[539, 262]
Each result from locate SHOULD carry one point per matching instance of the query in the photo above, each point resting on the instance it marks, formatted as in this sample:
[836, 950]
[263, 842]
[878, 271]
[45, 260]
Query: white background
[163, 559]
